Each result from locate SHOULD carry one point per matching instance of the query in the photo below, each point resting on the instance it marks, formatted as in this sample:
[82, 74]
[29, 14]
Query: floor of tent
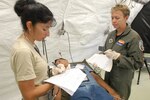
[141, 91]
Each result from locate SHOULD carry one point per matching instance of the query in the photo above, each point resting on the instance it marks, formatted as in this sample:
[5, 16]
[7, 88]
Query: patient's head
[61, 61]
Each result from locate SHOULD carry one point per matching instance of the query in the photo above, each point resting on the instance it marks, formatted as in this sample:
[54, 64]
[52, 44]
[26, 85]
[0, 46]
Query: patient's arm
[57, 93]
[102, 83]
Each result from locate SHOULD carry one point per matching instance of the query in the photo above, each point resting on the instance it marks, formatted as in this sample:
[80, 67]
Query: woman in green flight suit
[125, 47]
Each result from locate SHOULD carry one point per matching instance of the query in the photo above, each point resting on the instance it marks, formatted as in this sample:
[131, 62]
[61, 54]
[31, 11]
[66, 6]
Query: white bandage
[58, 70]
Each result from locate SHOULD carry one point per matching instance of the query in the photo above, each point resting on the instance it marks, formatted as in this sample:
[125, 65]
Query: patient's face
[62, 61]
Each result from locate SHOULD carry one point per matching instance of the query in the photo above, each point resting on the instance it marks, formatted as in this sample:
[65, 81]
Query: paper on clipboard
[69, 81]
[102, 61]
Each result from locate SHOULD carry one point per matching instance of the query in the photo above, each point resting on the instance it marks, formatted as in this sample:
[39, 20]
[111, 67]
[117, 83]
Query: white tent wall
[78, 16]
[85, 22]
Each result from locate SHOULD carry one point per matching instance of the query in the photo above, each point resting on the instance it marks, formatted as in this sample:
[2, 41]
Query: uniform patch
[110, 40]
[141, 47]
[120, 42]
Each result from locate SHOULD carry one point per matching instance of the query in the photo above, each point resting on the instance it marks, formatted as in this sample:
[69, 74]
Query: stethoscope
[49, 69]
[45, 53]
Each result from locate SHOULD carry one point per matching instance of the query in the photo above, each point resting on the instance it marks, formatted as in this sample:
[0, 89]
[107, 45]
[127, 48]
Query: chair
[146, 65]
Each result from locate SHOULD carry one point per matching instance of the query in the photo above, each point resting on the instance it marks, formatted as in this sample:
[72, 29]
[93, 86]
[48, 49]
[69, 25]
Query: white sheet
[101, 61]
[69, 81]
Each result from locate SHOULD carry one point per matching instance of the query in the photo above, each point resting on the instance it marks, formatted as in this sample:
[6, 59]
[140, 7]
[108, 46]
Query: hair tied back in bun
[20, 5]
[31, 1]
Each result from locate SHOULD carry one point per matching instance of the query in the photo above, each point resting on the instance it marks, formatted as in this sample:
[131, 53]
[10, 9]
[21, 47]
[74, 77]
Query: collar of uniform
[127, 30]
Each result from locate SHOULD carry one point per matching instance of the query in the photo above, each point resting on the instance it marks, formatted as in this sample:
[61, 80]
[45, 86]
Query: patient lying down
[62, 65]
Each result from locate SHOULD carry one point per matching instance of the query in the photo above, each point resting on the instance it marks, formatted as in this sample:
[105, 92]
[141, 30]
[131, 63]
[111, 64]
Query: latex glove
[112, 54]
[58, 70]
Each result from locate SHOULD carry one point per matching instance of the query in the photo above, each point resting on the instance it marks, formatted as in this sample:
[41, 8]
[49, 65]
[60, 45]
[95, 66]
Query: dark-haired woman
[29, 68]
